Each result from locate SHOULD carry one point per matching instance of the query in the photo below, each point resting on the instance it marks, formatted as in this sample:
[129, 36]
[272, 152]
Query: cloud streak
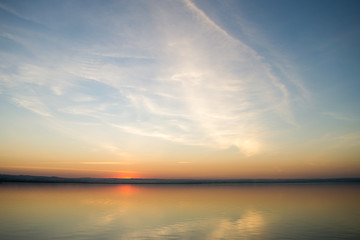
[193, 84]
[33, 104]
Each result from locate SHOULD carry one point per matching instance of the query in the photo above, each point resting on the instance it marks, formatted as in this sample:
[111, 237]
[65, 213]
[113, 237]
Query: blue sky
[233, 85]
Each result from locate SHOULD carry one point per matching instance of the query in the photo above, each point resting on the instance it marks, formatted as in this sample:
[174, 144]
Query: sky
[180, 88]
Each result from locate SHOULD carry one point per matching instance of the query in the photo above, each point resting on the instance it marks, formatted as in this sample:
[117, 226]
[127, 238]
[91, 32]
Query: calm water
[259, 211]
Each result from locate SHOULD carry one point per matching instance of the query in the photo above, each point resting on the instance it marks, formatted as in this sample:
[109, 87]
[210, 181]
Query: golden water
[242, 211]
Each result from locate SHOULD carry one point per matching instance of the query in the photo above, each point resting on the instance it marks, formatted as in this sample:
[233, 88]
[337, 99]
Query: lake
[203, 211]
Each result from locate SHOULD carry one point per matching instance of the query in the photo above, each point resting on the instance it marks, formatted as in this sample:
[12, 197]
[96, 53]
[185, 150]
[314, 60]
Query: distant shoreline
[45, 179]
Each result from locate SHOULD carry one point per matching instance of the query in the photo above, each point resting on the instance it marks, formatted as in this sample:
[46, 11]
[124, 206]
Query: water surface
[237, 211]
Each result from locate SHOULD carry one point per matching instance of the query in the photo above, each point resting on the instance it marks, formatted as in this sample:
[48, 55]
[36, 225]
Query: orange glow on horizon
[198, 169]
[126, 176]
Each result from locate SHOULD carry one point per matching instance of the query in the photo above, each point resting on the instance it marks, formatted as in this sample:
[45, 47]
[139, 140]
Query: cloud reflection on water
[250, 224]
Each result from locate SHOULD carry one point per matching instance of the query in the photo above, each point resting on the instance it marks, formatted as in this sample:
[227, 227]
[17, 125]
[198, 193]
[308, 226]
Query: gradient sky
[180, 89]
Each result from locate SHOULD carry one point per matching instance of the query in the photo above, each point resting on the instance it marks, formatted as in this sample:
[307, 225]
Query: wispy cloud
[338, 116]
[106, 163]
[33, 104]
[206, 20]
[66, 169]
[193, 84]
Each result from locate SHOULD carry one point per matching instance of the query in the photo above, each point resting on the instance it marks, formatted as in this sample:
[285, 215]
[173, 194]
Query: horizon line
[92, 180]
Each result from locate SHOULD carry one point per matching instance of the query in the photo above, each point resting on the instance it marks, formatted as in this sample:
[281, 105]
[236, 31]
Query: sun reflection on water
[126, 189]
